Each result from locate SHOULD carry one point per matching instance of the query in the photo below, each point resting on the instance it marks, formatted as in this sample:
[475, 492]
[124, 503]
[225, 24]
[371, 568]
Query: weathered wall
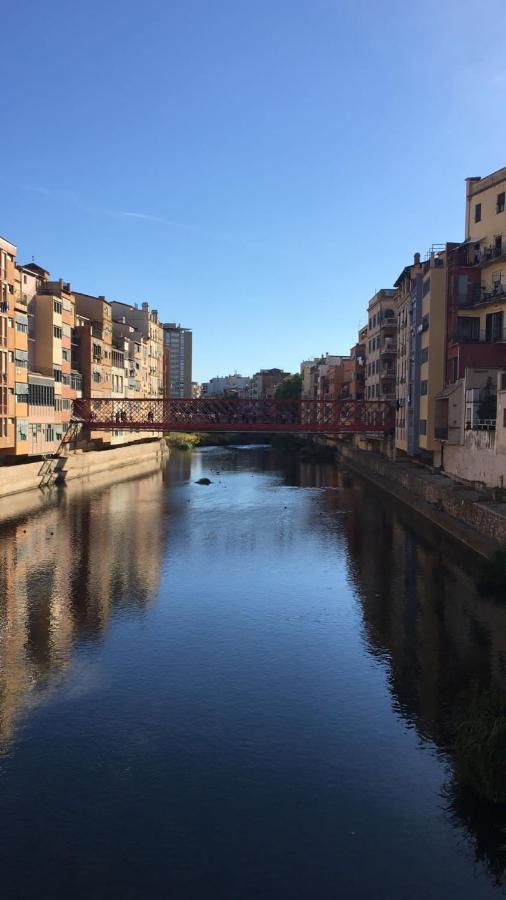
[476, 460]
[26, 477]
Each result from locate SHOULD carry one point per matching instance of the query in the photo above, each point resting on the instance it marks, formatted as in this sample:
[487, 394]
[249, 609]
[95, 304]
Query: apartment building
[53, 382]
[93, 349]
[429, 359]
[221, 384]
[150, 330]
[264, 383]
[353, 383]
[333, 378]
[381, 351]
[408, 302]
[177, 363]
[312, 371]
[10, 410]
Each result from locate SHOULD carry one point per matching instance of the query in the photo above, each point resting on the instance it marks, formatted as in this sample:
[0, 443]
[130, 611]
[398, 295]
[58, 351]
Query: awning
[448, 391]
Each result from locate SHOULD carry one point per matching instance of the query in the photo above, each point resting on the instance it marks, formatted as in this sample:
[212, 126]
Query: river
[240, 690]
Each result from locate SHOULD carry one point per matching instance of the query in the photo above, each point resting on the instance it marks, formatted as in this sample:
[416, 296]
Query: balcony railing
[482, 425]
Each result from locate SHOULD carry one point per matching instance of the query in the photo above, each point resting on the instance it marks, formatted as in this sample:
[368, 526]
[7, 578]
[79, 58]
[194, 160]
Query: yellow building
[486, 239]
[13, 356]
[381, 349]
[432, 352]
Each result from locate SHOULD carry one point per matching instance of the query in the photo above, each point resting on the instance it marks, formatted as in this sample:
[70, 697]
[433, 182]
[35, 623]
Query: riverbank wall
[78, 464]
[461, 511]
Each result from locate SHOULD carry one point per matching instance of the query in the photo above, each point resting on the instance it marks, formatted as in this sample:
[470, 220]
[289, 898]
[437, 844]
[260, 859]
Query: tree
[289, 389]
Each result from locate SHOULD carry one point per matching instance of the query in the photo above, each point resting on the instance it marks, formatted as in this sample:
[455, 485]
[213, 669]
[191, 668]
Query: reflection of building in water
[62, 575]
[422, 611]
[444, 643]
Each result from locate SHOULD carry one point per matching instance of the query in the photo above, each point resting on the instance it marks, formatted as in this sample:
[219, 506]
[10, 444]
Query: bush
[182, 441]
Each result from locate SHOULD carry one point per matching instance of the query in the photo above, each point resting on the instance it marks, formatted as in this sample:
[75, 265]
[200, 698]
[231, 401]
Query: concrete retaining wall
[475, 523]
[79, 464]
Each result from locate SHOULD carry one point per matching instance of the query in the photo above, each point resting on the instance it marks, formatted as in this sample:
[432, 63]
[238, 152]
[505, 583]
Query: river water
[241, 690]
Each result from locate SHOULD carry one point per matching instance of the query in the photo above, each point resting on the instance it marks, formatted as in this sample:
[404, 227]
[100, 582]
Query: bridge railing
[228, 414]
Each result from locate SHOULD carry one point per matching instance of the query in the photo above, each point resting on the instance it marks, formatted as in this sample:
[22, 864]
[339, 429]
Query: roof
[34, 269]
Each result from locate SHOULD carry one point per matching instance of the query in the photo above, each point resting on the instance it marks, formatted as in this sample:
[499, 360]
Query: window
[21, 430]
[426, 287]
[57, 375]
[498, 245]
[423, 426]
[477, 212]
[66, 329]
[423, 388]
[425, 322]
[21, 389]
[462, 292]
[21, 359]
[41, 395]
[424, 355]
[496, 278]
[57, 307]
[57, 332]
[21, 323]
[494, 327]
[500, 202]
[96, 376]
[468, 329]
[66, 355]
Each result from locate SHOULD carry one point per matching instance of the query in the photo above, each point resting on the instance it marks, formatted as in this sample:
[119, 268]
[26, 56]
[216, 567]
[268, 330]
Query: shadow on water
[442, 639]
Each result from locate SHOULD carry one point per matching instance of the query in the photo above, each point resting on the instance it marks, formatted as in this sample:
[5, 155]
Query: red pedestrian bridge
[234, 414]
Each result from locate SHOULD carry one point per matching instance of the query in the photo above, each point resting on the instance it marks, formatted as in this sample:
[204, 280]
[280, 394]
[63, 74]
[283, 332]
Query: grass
[480, 747]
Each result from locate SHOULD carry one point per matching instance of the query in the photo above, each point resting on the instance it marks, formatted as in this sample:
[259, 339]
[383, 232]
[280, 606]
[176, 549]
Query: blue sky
[256, 170]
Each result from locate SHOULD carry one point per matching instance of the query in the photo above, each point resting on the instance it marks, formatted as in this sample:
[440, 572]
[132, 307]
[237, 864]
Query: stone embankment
[79, 464]
[467, 514]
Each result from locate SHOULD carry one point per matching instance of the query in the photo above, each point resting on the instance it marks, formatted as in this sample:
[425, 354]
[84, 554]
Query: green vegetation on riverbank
[181, 441]
[480, 748]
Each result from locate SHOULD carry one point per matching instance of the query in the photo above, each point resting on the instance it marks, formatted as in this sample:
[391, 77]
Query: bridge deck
[234, 414]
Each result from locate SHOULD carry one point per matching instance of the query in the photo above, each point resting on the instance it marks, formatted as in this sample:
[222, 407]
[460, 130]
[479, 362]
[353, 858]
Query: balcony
[389, 347]
[488, 254]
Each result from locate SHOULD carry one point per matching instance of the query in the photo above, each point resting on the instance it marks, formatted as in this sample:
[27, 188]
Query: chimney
[145, 305]
[416, 259]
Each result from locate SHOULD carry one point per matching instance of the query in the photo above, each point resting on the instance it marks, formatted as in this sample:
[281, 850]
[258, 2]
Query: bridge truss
[234, 414]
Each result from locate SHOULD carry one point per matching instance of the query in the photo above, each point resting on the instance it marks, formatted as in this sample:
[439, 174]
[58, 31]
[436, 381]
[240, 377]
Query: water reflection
[91, 557]
[64, 572]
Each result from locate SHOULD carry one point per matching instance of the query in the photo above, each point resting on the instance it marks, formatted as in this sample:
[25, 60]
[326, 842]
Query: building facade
[381, 346]
[177, 364]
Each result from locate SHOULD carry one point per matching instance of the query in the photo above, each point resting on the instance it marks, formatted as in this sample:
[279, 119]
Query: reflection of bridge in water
[234, 414]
